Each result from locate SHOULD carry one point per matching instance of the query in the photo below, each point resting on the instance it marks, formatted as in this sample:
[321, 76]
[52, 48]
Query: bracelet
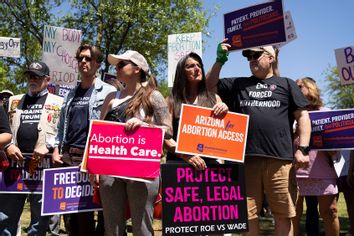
[7, 146]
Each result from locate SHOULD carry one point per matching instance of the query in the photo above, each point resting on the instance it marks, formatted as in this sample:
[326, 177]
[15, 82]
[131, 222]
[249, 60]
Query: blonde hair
[314, 95]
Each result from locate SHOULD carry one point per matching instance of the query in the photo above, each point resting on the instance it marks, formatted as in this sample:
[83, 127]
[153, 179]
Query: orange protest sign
[202, 133]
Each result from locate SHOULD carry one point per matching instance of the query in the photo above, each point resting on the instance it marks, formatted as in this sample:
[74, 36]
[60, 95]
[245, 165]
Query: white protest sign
[180, 45]
[289, 29]
[345, 64]
[10, 47]
[59, 48]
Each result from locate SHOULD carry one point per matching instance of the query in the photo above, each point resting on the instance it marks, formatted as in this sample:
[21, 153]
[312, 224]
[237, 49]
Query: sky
[321, 27]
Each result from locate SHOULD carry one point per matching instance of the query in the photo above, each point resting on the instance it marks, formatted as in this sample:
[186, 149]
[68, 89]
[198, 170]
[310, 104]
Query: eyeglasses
[192, 66]
[80, 59]
[254, 56]
[122, 64]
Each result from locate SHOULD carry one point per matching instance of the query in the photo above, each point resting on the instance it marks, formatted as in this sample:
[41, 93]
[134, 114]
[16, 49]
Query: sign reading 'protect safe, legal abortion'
[111, 150]
[202, 133]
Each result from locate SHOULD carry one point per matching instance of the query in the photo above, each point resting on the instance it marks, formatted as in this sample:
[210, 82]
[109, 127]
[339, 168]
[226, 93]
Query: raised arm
[212, 77]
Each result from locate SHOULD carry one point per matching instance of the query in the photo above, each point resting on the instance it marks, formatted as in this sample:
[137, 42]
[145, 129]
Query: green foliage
[22, 19]
[114, 26]
[340, 96]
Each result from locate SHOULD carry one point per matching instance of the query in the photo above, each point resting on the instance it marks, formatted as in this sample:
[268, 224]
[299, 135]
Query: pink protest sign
[110, 150]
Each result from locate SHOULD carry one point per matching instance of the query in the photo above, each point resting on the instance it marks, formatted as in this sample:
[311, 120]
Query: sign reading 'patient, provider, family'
[212, 201]
[59, 48]
[202, 133]
[110, 150]
[257, 25]
[67, 190]
[332, 130]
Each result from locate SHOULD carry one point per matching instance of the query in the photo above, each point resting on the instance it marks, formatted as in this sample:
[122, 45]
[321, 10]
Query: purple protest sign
[257, 25]
[17, 179]
[332, 130]
[67, 190]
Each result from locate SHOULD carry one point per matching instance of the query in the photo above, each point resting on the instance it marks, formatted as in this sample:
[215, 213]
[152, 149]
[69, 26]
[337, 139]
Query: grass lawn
[266, 224]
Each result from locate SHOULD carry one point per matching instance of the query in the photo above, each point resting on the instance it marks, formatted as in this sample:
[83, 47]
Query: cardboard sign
[67, 190]
[201, 133]
[345, 64]
[17, 179]
[180, 45]
[255, 26]
[110, 150]
[59, 49]
[10, 47]
[206, 202]
[332, 130]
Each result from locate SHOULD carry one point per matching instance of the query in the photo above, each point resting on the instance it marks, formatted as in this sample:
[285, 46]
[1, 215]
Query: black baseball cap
[38, 68]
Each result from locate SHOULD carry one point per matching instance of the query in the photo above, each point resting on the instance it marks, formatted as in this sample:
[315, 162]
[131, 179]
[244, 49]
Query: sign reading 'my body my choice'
[59, 48]
[254, 26]
[180, 45]
[110, 150]
[345, 64]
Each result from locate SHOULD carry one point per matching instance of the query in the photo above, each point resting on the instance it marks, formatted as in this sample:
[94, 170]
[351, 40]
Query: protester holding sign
[33, 121]
[138, 104]
[189, 87]
[81, 104]
[319, 179]
[272, 103]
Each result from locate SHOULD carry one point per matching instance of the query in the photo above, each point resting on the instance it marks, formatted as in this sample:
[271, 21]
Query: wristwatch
[304, 149]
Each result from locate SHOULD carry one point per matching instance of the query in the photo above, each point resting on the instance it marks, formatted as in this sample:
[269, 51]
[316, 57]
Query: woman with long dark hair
[189, 87]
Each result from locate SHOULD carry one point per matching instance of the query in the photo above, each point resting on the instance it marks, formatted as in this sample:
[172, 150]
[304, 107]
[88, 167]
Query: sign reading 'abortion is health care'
[59, 48]
[67, 190]
[111, 150]
[201, 133]
[345, 64]
[254, 26]
[332, 130]
[206, 202]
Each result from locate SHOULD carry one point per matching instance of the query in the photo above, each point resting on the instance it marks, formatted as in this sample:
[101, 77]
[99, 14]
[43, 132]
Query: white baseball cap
[132, 56]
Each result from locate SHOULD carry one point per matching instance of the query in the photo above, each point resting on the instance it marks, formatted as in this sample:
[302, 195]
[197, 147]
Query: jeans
[11, 206]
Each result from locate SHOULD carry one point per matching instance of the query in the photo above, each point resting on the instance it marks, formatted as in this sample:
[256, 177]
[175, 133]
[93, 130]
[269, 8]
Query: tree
[340, 96]
[23, 19]
[115, 26]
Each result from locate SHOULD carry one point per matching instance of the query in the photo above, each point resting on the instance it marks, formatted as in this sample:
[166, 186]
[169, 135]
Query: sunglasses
[35, 77]
[80, 59]
[254, 56]
[122, 64]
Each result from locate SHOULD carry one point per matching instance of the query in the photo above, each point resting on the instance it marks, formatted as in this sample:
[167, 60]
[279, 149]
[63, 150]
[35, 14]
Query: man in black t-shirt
[272, 103]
